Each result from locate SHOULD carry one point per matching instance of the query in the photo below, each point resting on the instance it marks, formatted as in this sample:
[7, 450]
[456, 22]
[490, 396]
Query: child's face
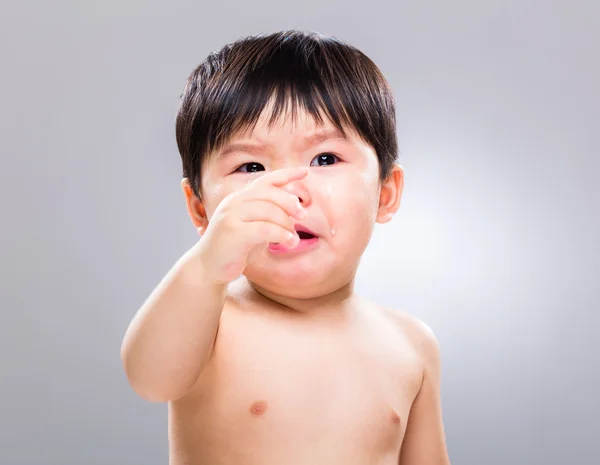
[341, 193]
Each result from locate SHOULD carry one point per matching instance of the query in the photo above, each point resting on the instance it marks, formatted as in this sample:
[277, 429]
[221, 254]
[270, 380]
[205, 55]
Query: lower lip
[303, 245]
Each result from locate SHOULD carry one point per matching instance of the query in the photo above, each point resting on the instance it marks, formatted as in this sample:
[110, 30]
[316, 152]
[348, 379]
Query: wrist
[199, 268]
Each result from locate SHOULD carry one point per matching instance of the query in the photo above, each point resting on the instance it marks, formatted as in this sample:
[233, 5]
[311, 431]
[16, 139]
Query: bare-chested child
[256, 337]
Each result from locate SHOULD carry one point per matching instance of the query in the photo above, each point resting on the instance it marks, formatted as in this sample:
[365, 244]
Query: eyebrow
[307, 141]
[322, 136]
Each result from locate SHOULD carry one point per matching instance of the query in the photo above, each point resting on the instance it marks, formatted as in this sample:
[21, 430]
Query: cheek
[217, 191]
[362, 190]
[358, 202]
[213, 197]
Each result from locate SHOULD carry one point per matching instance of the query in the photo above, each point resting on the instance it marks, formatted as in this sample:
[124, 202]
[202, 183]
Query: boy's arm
[171, 337]
[424, 441]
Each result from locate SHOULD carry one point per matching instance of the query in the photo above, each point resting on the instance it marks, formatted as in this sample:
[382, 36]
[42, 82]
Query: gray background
[495, 244]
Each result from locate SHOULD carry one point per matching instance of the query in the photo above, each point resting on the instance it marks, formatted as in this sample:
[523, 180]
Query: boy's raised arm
[170, 338]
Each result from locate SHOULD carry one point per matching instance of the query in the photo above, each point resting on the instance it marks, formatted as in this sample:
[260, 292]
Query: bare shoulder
[424, 438]
[419, 334]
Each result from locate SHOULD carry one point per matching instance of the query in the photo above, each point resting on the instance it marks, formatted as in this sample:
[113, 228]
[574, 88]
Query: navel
[395, 417]
[258, 408]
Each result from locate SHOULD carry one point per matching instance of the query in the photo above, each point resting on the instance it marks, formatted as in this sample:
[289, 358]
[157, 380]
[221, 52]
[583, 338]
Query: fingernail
[292, 239]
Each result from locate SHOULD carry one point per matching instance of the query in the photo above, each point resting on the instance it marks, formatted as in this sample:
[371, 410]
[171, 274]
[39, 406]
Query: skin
[310, 373]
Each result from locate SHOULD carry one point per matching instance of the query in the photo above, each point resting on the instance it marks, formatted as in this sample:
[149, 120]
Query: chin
[294, 280]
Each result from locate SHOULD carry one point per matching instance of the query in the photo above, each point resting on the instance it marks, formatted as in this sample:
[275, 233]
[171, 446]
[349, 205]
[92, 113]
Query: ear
[195, 206]
[390, 195]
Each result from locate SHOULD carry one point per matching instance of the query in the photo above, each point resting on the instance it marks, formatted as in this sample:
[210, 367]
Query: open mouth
[308, 241]
[305, 235]
[303, 232]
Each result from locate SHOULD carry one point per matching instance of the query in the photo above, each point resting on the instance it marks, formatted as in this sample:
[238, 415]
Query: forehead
[296, 127]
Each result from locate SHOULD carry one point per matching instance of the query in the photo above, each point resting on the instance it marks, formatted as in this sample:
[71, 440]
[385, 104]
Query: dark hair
[227, 92]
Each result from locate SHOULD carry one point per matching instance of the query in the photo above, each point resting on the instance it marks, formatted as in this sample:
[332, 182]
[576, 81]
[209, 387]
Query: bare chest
[270, 386]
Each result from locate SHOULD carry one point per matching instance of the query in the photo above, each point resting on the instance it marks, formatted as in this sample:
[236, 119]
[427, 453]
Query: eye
[326, 159]
[252, 167]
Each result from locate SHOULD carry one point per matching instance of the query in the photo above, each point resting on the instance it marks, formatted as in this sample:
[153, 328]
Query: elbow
[148, 385]
[151, 395]
[144, 387]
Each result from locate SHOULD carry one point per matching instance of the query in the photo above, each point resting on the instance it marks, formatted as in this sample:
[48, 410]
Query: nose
[299, 189]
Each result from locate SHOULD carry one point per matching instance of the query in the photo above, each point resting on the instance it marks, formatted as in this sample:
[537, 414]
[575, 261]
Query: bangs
[277, 102]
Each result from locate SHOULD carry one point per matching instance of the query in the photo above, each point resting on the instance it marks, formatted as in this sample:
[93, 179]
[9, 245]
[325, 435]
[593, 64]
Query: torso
[280, 389]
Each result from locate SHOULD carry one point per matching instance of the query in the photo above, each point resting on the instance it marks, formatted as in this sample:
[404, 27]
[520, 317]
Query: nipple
[258, 408]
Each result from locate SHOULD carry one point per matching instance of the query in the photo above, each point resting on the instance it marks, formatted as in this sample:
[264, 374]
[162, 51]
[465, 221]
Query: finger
[282, 176]
[284, 200]
[262, 232]
[266, 211]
